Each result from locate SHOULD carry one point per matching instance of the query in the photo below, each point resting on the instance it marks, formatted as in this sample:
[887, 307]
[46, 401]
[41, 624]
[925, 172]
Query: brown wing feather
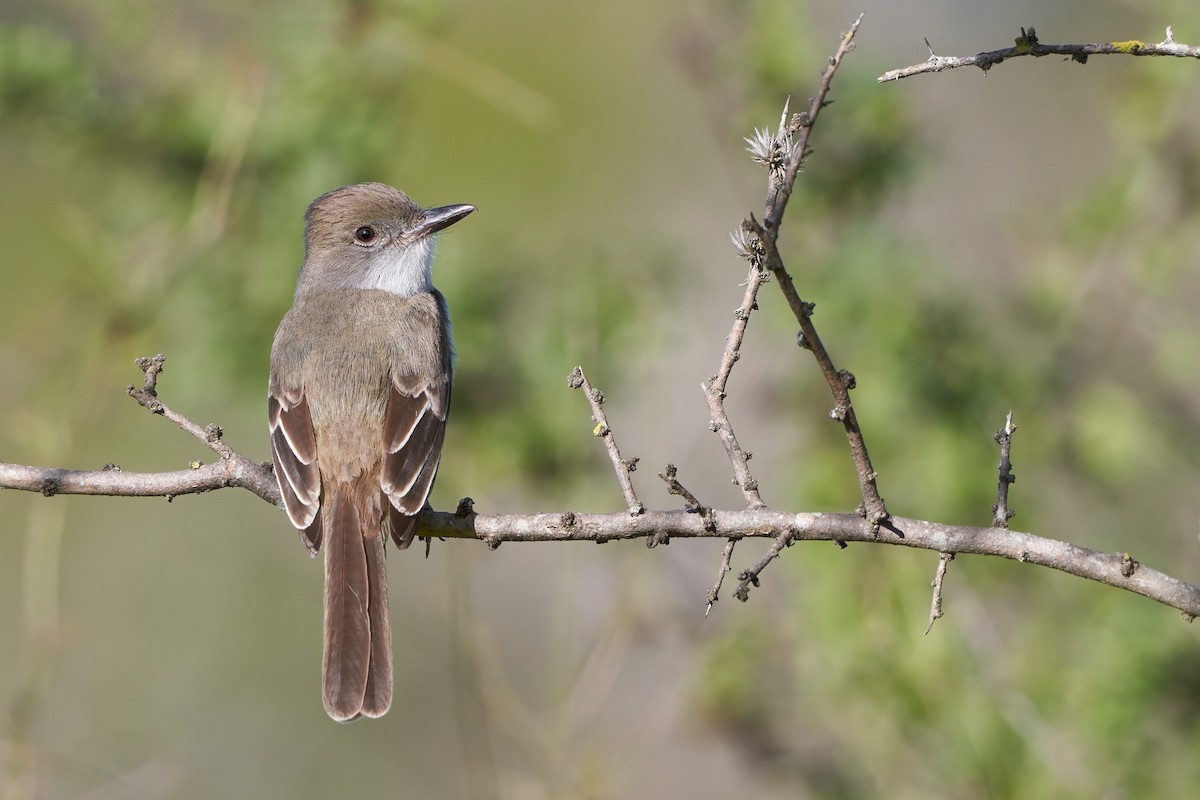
[428, 471]
[294, 451]
[413, 431]
[403, 527]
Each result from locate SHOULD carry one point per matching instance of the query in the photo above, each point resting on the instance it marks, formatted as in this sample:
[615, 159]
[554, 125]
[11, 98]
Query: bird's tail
[356, 675]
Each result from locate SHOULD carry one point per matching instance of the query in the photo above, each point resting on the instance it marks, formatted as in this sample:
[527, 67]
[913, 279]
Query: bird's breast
[350, 346]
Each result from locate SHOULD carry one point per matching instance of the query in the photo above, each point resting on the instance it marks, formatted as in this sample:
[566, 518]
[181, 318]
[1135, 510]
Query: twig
[801, 126]
[749, 577]
[714, 389]
[784, 154]
[1001, 513]
[622, 467]
[935, 608]
[1027, 44]
[726, 555]
[147, 397]
[690, 502]
[690, 505]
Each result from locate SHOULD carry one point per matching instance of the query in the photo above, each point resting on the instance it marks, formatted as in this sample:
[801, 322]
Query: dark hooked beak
[435, 219]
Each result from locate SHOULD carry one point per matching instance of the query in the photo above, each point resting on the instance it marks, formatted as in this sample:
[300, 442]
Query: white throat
[404, 271]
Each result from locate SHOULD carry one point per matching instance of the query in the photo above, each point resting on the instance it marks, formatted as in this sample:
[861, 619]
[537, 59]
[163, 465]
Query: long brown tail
[356, 675]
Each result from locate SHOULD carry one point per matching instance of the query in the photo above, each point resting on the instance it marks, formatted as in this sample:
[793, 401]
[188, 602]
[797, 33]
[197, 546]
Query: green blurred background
[1024, 240]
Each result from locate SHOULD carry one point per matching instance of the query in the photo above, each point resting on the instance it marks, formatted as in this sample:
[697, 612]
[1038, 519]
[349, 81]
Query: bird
[358, 398]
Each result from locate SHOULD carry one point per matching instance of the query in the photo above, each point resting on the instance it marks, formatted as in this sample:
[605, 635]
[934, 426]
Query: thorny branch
[1027, 44]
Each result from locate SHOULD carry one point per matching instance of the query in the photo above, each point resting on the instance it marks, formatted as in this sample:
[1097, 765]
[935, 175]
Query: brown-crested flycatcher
[359, 393]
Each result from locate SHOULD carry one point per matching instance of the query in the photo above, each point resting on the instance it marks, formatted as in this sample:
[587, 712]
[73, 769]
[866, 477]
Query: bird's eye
[365, 234]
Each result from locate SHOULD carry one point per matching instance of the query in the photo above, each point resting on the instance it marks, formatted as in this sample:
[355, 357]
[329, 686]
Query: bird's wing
[414, 427]
[294, 451]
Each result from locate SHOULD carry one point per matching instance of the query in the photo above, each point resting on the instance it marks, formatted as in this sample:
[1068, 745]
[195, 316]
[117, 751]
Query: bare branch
[1115, 569]
[1027, 44]
[1120, 569]
[622, 467]
[112, 481]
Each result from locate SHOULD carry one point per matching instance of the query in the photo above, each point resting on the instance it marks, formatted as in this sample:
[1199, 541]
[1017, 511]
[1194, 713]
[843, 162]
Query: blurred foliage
[159, 157]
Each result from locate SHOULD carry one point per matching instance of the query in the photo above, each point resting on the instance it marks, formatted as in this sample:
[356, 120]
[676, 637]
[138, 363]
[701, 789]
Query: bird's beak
[435, 219]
